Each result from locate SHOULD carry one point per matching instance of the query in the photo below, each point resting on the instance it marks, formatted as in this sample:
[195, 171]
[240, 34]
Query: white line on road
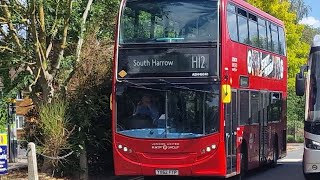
[137, 178]
[289, 160]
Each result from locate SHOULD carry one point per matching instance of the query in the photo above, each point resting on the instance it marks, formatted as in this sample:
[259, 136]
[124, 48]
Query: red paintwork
[187, 158]
[238, 143]
[143, 160]
[231, 49]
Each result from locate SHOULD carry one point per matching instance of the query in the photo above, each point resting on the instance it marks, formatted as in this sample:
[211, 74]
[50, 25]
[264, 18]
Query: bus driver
[146, 107]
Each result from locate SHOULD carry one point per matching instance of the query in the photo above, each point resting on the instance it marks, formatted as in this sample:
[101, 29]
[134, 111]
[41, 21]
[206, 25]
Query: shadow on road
[283, 171]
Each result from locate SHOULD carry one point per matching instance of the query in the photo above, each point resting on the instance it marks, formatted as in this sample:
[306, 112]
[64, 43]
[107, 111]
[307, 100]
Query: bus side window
[263, 40]
[269, 36]
[266, 106]
[275, 38]
[243, 26]
[282, 44]
[232, 23]
[244, 107]
[254, 103]
[253, 30]
[275, 107]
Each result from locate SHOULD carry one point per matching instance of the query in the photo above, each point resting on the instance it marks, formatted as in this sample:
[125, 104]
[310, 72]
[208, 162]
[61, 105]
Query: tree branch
[33, 28]
[13, 31]
[80, 42]
[63, 45]
[42, 34]
[4, 48]
[53, 31]
[49, 48]
[3, 20]
[83, 24]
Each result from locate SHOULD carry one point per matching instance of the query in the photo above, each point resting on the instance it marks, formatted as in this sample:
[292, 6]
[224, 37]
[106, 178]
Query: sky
[313, 18]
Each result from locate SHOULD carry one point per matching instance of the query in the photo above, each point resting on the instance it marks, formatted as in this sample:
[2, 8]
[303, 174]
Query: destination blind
[168, 63]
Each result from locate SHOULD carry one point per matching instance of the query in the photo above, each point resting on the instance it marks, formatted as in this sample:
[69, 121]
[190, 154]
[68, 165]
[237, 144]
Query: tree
[309, 33]
[36, 42]
[37, 39]
[43, 54]
[299, 8]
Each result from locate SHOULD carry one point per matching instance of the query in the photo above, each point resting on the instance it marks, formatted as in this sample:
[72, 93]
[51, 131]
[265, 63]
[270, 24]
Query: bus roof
[257, 11]
[316, 41]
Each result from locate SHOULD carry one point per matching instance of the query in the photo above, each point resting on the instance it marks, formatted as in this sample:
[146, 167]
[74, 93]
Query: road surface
[288, 168]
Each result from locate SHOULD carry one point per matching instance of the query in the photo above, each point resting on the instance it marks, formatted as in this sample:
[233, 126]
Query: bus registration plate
[171, 172]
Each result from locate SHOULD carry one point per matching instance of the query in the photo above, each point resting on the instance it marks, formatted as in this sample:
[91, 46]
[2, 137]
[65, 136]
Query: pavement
[22, 162]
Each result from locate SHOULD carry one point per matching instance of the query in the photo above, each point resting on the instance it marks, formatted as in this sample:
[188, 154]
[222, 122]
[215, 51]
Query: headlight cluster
[312, 144]
[124, 148]
[209, 148]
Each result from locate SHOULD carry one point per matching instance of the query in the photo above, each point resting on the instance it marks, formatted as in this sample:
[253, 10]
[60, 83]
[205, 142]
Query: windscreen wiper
[141, 86]
[183, 87]
[167, 39]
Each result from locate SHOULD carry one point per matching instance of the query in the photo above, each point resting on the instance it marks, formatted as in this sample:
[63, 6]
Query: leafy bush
[290, 138]
[3, 116]
[48, 127]
[300, 139]
[88, 95]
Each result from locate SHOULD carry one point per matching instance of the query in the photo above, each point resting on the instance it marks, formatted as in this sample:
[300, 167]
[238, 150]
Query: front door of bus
[231, 124]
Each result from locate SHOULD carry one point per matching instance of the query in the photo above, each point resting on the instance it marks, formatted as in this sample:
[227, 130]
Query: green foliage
[290, 139]
[50, 129]
[295, 110]
[3, 116]
[300, 139]
[103, 17]
[88, 92]
[309, 33]
[89, 105]
[55, 131]
[93, 119]
[53, 119]
[300, 8]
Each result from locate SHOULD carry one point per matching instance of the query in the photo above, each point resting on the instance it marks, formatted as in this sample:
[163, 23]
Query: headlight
[312, 144]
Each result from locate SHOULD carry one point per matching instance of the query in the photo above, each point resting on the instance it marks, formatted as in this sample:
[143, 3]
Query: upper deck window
[282, 41]
[248, 28]
[232, 22]
[253, 30]
[150, 21]
[243, 26]
[263, 41]
[275, 38]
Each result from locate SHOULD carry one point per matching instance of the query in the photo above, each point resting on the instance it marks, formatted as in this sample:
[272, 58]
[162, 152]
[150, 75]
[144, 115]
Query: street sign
[3, 139]
[3, 154]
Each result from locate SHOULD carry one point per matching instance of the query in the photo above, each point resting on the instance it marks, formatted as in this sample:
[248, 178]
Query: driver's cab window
[140, 109]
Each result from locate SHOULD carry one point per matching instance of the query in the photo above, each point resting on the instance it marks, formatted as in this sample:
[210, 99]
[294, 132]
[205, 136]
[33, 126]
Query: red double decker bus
[199, 88]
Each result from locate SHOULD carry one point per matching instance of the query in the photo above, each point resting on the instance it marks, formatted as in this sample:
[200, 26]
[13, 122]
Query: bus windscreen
[167, 113]
[150, 21]
[314, 89]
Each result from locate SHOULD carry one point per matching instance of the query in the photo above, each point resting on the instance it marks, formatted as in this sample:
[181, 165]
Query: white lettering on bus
[141, 63]
[161, 63]
[198, 62]
[200, 74]
[154, 62]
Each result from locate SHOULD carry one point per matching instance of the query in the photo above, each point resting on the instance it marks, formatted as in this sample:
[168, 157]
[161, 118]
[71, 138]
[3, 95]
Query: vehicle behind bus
[309, 84]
